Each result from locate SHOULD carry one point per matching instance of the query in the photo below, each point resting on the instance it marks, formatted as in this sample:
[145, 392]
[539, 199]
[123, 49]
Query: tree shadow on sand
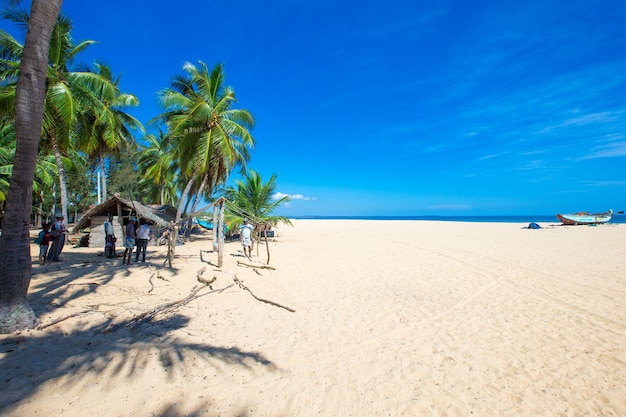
[28, 362]
[108, 352]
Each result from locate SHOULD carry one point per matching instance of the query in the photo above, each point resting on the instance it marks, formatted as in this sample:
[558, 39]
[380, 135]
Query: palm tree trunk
[181, 204]
[205, 181]
[104, 178]
[61, 169]
[15, 312]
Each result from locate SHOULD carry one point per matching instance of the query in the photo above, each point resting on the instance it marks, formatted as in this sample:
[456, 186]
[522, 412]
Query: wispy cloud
[611, 150]
[608, 183]
[279, 195]
[603, 117]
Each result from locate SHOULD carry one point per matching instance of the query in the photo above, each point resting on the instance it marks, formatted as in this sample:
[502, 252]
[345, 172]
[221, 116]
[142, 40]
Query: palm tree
[159, 168]
[103, 125]
[15, 312]
[211, 136]
[67, 91]
[45, 169]
[7, 150]
[256, 199]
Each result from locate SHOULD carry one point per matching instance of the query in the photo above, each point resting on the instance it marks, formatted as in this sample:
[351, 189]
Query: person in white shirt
[246, 240]
[143, 235]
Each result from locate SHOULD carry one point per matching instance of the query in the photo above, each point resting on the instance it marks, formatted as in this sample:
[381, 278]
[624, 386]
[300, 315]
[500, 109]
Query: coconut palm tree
[45, 169]
[15, 312]
[256, 199]
[103, 125]
[211, 136]
[68, 91]
[159, 167]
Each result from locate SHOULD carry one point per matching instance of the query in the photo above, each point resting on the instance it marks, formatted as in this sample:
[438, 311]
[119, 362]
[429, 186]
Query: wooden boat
[585, 218]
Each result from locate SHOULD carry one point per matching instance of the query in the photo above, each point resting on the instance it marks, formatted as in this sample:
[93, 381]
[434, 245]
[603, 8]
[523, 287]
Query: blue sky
[399, 107]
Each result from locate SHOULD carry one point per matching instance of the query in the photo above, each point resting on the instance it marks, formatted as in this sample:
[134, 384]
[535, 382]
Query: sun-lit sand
[392, 318]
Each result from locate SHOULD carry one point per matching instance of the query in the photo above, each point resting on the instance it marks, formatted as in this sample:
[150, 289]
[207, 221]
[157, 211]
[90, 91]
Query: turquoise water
[541, 219]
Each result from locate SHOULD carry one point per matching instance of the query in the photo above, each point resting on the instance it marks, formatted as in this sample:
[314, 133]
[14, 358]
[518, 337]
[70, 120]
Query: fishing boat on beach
[585, 218]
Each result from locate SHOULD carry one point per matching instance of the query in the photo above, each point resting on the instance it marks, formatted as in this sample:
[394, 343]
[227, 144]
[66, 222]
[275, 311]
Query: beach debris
[167, 307]
[243, 287]
[203, 280]
[256, 266]
[160, 309]
[60, 319]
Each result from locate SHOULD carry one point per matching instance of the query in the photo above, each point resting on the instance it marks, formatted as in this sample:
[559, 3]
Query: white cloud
[279, 195]
[609, 151]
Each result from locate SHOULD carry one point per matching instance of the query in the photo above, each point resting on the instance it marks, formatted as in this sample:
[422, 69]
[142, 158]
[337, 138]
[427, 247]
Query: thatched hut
[92, 222]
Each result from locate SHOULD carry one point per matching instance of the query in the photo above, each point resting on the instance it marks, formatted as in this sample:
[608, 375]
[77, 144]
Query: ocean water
[540, 219]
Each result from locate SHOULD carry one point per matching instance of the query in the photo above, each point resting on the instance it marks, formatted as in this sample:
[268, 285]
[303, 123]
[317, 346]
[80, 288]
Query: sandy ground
[391, 318]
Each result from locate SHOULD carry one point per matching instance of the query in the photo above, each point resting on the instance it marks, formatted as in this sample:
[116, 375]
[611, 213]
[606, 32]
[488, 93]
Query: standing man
[246, 240]
[57, 233]
[44, 241]
[129, 242]
[143, 235]
[109, 239]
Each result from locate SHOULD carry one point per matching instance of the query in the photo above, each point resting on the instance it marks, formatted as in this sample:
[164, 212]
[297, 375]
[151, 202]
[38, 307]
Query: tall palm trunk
[205, 181]
[15, 312]
[104, 177]
[61, 169]
[181, 204]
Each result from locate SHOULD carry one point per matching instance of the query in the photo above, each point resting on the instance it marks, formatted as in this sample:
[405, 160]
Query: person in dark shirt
[44, 242]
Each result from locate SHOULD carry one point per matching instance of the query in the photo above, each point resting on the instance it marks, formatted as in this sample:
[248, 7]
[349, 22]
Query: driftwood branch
[60, 319]
[256, 266]
[150, 281]
[243, 287]
[166, 307]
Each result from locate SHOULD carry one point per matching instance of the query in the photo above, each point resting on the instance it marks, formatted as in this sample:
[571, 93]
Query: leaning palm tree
[211, 136]
[15, 312]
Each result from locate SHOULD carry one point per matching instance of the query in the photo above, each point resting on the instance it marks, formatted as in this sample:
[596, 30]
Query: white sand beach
[391, 318]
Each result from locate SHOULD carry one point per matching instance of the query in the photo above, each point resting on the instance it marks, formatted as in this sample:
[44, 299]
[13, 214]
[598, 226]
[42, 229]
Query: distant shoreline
[470, 219]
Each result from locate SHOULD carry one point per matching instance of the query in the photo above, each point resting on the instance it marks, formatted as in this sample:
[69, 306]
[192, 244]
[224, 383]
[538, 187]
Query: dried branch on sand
[167, 307]
[243, 287]
[256, 266]
[60, 319]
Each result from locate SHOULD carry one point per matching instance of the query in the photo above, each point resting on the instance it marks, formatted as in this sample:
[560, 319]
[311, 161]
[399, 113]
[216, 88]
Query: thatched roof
[159, 215]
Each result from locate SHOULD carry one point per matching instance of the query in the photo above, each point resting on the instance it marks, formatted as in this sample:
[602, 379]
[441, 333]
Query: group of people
[136, 236]
[51, 240]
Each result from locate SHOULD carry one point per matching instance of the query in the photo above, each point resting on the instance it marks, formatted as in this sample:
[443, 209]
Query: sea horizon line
[541, 218]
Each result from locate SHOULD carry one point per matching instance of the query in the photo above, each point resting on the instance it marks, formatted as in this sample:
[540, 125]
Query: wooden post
[171, 243]
[267, 245]
[220, 252]
[215, 230]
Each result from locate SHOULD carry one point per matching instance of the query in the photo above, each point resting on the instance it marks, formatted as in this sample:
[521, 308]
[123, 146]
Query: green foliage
[159, 169]
[124, 178]
[80, 184]
[210, 136]
[86, 126]
[256, 199]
